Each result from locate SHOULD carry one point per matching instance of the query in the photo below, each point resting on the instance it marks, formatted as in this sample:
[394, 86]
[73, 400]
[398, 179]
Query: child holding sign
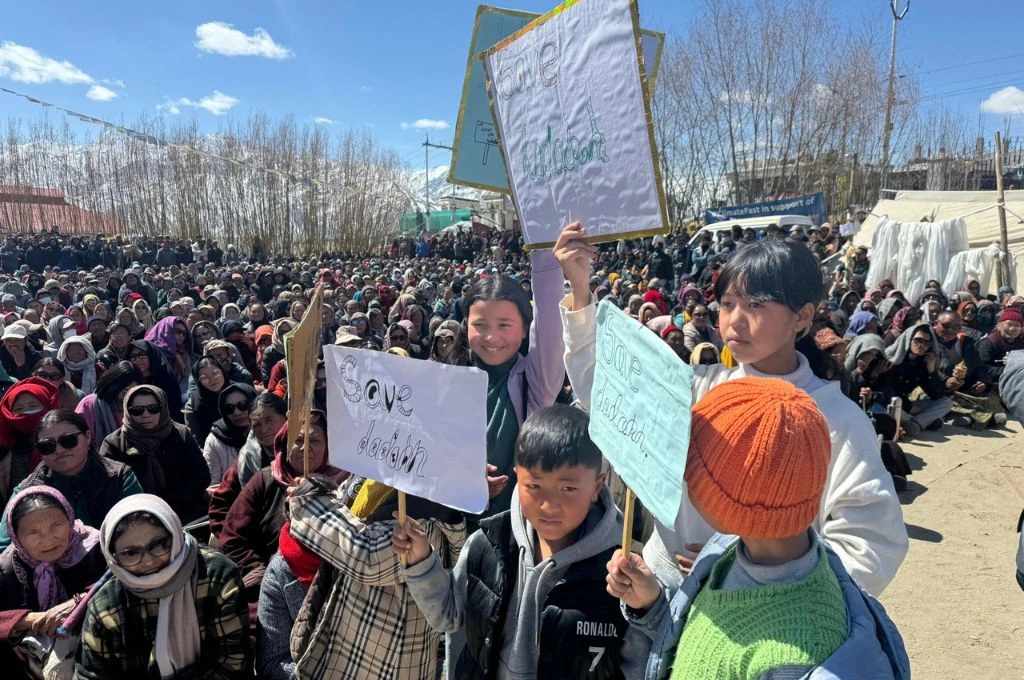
[499, 320]
[767, 294]
[776, 601]
[529, 586]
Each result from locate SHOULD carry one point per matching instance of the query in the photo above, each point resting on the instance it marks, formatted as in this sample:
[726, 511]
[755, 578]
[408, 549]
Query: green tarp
[439, 219]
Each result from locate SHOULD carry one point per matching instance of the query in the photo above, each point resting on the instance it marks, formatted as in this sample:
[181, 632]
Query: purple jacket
[542, 366]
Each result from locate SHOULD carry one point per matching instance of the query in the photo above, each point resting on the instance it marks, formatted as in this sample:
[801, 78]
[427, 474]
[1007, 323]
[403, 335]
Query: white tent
[978, 208]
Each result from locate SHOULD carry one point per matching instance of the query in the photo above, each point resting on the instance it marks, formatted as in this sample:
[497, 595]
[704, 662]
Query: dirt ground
[955, 599]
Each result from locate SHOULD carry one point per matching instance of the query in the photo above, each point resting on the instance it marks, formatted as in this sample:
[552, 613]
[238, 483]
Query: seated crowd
[157, 523]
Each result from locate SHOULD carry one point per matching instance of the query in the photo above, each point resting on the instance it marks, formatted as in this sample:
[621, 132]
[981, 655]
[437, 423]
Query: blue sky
[396, 66]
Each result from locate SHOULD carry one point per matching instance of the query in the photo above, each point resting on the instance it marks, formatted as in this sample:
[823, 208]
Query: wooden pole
[627, 522]
[1002, 272]
[401, 522]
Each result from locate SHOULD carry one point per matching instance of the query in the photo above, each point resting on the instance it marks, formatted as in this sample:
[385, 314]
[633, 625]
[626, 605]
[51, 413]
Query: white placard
[418, 426]
[574, 123]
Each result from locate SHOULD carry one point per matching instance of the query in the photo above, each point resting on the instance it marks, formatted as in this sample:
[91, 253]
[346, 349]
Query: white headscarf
[178, 644]
[87, 366]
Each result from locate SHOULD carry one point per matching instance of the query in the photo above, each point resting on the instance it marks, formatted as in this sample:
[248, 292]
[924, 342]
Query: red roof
[33, 209]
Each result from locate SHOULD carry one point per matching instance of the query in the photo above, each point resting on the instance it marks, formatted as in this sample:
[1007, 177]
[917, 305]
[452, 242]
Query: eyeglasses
[67, 441]
[922, 342]
[138, 410]
[209, 377]
[129, 557]
[140, 355]
[50, 376]
[242, 406]
[699, 316]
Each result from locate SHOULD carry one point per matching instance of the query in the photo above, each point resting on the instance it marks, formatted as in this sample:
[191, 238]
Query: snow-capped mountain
[417, 182]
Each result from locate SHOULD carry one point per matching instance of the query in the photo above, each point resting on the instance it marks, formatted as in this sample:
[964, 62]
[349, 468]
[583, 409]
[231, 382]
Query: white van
[756, 223]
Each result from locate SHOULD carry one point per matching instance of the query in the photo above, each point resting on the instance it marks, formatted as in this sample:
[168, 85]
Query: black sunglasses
[242, 406]
[50, 376]
[129, 557]
[67, 441]
[153, 409]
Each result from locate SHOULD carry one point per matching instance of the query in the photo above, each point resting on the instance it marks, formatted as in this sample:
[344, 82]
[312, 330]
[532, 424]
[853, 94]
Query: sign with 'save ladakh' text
[418, 426]
[476, 158]
[574, 123]
[640, 410]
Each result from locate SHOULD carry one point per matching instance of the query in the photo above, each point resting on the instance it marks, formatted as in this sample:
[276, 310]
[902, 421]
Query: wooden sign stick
[401, 523]
[627, 522]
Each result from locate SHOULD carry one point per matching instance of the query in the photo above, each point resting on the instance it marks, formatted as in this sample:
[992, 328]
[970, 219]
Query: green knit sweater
[741, 634]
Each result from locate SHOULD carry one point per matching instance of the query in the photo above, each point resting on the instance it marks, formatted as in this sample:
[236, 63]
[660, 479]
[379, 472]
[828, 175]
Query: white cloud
[217, 103]
[100, 93]
[114, 82]
[366, 88]
[218, 37]
[25, 65]
[425, 124]
[1009, 100]
[321, 120]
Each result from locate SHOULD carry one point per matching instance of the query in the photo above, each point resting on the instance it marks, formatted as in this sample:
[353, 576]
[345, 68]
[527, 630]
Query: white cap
[15, 332]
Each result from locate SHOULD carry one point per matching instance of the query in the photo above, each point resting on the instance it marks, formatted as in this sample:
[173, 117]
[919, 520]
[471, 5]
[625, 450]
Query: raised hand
[575, 257]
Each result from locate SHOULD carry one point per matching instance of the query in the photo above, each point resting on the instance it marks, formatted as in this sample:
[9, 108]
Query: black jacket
[578, 606]
[177, 473]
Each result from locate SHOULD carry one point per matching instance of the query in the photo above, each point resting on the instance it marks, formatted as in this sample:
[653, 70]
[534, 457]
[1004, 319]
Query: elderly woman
[53, 559]
[160, 452]
[251, 529]
[1006, 338]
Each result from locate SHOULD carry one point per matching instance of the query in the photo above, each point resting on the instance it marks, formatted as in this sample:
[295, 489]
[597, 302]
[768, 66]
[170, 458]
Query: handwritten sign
[476, 159]
[640, 410]
[574, 123]
[418, 426]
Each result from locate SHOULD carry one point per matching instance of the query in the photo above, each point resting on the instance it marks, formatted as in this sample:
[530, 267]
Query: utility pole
[1002, 272]
[426, 175]
[890, 100]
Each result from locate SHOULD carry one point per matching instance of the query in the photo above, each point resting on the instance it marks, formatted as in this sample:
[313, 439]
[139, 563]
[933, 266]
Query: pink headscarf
[82, 539]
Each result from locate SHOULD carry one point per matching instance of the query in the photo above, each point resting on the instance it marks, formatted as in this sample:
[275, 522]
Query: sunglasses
[922, 342]
[48, 447]
[152, 409]
[141, 355]
[700, 316]
[129, 557]
[242, 406]
[50, 376]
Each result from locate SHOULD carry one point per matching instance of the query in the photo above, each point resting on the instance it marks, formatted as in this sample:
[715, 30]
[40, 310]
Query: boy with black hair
[529, 586]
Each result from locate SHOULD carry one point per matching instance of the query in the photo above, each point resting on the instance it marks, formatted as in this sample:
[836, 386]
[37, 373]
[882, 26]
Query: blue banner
[811, 205]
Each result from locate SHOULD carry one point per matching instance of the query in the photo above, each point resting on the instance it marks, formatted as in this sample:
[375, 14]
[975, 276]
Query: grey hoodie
[441, 595]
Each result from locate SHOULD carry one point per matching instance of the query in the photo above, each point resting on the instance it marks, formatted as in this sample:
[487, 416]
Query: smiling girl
[767, 294]
[521, 377]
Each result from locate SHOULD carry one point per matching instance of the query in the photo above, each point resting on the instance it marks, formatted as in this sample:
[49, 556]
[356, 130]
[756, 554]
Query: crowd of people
[157, 522]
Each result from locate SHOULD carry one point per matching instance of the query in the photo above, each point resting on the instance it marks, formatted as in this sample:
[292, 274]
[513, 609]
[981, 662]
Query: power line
[963, 65]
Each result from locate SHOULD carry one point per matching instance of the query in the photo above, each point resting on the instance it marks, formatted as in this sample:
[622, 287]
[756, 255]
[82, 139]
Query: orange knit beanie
[758, 458]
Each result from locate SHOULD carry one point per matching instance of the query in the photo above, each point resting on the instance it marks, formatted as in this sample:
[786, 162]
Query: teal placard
[640, 410]
[476, 159]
